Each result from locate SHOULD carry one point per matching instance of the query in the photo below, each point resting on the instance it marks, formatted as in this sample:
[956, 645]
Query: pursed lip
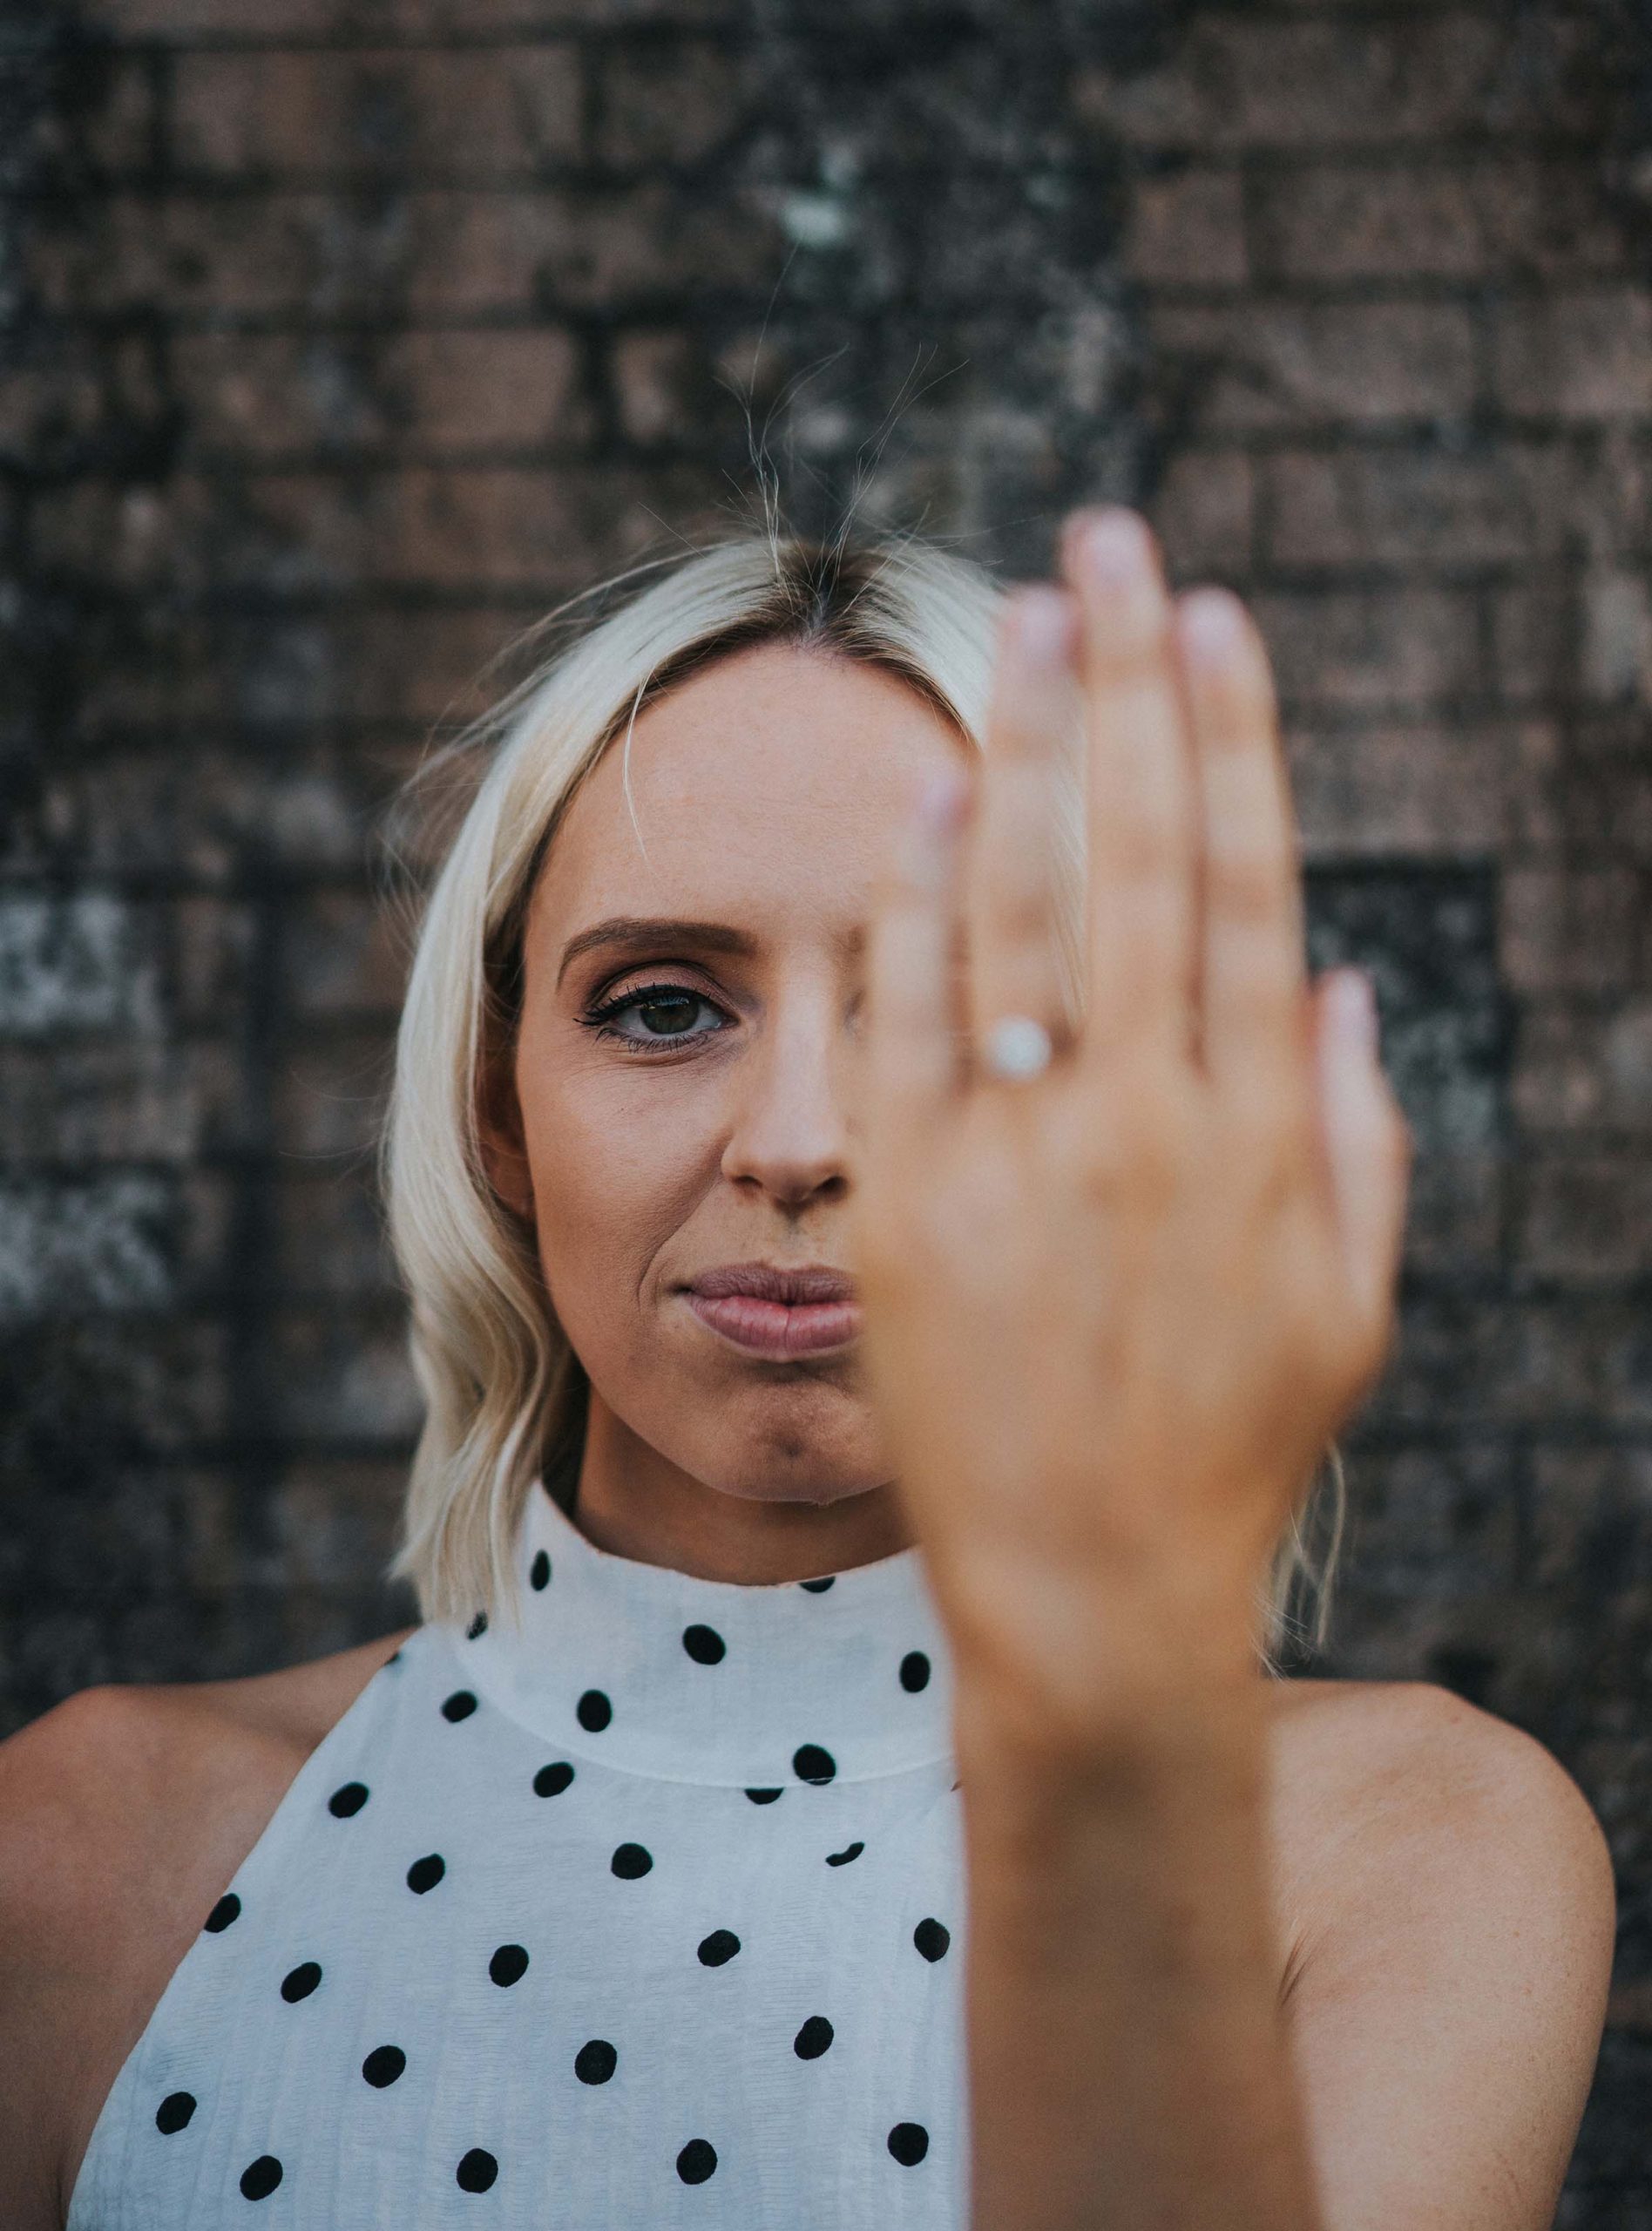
[775, 1310]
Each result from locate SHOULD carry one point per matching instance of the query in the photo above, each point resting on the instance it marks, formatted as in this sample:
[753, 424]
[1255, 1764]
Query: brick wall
[341, 336]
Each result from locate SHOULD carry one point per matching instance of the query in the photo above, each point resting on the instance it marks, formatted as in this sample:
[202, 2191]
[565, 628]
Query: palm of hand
[1115, 1312]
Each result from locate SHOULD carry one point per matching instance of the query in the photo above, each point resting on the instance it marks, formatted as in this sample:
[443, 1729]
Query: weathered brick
[1204, 511]
[495, 111]
[1260, 366]
[1482, 218]
[674, 101]
[342, 957]
[73, 1244]
[72, 964]
[1574, 929]
[1417, 507]
[663, 385]
[1617, 636]
[362, 257]
[334, 1523]
[1186, 228]
[330, 1235]
[450, 393]
[257, 22]
[1411, 791]
[329, 1094]
[1576, 356]
[344, 1378]
[1583, 1069]
[1359, 649]
[1587, 1221]
[1246, 82]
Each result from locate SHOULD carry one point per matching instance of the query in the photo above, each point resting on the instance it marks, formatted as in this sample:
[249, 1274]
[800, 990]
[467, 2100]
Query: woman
[883, 1280]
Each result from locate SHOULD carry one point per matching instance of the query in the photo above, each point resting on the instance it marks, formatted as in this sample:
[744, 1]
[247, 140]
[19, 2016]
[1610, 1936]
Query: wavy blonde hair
[505, 1394]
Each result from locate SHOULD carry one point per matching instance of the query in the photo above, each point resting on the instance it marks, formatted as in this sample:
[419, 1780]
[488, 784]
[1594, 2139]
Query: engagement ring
[1017, 1047]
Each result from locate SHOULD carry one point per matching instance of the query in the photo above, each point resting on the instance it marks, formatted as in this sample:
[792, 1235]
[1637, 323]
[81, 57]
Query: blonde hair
[505, 1394]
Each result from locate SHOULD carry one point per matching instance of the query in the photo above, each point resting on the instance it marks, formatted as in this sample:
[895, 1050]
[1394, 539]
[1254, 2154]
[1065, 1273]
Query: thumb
[1368, 1144]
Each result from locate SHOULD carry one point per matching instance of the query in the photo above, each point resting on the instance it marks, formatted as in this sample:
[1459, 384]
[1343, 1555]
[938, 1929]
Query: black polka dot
[508, 1965]
[931, 1938]
[383, 2065]
[426, 1873]
[550, 1781]
[810, 1763]
[719, 1948]
[909, 2143]
[704, 1645]
[477, 2171]
[259, 2178]
[915, 1672]
[630, 1861]
[696, 2162]
[819, 1587]
[594, 1711]
[348, 1799]
[175, 2111]
[223, 1913]
[596, 2061]
[763, 1796]
[540, 1571]
[841, 1858]
[813, 2038]
[459, 1705]
[477, 1626]
[300, 1982]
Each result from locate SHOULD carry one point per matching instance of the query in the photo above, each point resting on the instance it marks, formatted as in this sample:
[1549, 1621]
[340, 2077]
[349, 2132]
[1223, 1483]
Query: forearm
[1128, 2065]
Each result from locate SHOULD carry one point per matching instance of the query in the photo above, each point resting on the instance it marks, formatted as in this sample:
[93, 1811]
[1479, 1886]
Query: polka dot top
[649, 1915]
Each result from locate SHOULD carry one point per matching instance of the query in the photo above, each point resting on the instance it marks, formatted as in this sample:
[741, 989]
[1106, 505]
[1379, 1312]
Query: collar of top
[842, 1678]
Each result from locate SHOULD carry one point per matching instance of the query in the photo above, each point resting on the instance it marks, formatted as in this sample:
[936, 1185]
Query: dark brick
[1363, 650]
[1491, 217]
[678, 101]
[494, 112]
[1241, 82]
[1260, 366]
[1576, 356]
[1411, 789]
[1587, 1221]
[1186, 228]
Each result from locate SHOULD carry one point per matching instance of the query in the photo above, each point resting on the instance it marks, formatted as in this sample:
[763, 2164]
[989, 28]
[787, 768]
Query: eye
[666, 1012]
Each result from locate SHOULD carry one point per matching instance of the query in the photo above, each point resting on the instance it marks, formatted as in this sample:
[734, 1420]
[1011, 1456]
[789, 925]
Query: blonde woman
[891, 1234]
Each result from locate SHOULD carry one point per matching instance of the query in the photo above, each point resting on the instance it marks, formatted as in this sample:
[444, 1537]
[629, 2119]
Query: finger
[1009, 871]
[1253, 974]
[1142, 813]
[914, 1041]
[1367, 1145]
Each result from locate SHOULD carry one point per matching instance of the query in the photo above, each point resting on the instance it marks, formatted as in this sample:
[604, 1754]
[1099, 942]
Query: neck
[635, 1503]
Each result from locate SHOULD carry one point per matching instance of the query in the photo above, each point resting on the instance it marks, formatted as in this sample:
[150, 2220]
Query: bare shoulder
[124, 1812]
[1446, 1904]
[1371, 1774]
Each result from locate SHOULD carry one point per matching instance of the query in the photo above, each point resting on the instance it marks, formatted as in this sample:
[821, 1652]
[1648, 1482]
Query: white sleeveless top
[651, 1915]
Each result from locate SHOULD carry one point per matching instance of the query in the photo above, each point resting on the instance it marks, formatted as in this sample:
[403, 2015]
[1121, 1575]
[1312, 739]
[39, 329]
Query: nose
[789, 1132]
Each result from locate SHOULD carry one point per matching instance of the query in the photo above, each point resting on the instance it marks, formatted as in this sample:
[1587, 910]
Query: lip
[775, 1310]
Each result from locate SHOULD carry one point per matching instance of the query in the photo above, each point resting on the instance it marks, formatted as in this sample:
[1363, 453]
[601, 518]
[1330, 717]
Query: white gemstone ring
[1017, 1047]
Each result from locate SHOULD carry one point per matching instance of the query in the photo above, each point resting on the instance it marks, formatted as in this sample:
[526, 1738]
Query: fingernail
[1353, 1006]
[1114, 549]
[1044, 629]
[1212, 626]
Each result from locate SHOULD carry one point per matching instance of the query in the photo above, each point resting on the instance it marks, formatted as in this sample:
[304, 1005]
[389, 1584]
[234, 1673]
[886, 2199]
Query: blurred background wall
[341, 337]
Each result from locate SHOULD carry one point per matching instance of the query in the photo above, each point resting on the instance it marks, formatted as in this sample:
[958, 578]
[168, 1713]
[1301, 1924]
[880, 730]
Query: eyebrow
[636, 933]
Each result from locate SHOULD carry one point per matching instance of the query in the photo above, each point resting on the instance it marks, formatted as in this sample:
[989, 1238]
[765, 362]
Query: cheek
[619, 1163]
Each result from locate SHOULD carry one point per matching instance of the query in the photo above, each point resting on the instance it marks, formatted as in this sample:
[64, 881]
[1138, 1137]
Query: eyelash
[598, 1018]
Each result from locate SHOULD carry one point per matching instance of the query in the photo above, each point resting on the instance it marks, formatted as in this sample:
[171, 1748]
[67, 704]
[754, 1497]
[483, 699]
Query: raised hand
[1115, 1311]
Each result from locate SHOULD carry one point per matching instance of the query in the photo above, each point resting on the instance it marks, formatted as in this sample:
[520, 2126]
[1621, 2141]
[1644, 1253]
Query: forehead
[771, 780]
